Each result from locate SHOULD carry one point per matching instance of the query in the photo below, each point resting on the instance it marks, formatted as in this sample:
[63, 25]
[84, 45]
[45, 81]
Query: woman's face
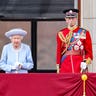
[71, 21]
[16, 40]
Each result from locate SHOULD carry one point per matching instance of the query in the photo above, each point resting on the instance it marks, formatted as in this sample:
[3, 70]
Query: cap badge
[70, 11]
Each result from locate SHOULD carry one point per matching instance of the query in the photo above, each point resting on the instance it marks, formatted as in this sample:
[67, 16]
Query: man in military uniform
[74, 46]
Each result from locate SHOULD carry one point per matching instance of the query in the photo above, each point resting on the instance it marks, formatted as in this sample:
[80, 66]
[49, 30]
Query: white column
[88, 21]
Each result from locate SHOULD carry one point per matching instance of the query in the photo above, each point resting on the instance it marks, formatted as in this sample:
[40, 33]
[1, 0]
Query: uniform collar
[72, 28]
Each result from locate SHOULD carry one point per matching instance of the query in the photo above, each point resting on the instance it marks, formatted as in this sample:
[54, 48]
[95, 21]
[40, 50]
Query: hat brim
[13, 32]
[70, 16]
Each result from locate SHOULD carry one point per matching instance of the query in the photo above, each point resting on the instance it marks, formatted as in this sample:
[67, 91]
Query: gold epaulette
[66, 39]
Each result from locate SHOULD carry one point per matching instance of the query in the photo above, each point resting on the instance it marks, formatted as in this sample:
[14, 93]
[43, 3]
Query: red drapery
[46, 84]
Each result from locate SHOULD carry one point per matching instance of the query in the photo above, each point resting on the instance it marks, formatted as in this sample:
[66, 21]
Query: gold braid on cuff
[88, 60]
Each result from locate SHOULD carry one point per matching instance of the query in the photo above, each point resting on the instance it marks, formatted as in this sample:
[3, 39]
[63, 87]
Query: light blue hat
[16, 31]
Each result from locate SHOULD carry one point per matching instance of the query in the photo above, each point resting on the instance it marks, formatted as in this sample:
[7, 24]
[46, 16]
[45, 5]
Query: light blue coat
[9, 56]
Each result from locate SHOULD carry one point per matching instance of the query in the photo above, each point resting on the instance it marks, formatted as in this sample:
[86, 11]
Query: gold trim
[72, 28]
[66, 39]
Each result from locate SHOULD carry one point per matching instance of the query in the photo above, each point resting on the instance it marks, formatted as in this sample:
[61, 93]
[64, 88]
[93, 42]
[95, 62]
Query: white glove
[15, 66]
[16, 63]
[83, 65]
[57, 68]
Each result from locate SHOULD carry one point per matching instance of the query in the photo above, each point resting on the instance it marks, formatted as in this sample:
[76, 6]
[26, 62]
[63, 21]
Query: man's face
[71, 21]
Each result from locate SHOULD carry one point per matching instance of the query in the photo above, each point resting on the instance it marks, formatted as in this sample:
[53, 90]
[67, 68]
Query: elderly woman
[16, 56]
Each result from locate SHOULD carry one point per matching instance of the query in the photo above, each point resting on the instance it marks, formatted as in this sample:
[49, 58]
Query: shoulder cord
[66, 39]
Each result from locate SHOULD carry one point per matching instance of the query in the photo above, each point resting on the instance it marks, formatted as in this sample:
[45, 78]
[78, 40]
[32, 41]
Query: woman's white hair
[20, 36]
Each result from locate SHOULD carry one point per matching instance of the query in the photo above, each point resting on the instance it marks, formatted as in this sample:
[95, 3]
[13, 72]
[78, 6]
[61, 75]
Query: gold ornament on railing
[84, 78]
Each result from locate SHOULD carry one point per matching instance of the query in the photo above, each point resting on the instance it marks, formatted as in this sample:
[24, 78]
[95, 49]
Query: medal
[79, 43]
[76, 47]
